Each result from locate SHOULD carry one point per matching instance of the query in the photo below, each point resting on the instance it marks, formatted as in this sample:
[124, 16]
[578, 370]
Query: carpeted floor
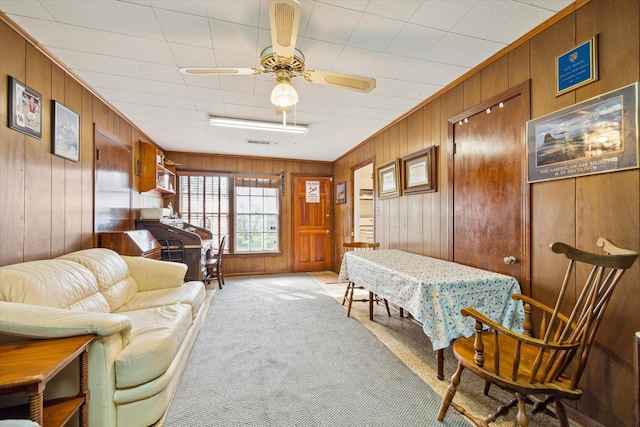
[405, 338]
[279, 351]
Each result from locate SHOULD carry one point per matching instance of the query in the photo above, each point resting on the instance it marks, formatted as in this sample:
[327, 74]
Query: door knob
[509, 260]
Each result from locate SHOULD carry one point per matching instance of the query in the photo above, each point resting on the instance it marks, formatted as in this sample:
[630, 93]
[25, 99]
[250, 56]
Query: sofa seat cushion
[52, 283]
[190, 293]
[111, 271]
[156, 336]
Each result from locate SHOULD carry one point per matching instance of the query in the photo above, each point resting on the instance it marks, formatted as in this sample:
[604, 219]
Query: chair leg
[386, 304]
[487, 386]
[522, 417]
[350, 298]
[451, 391]
[219, 280]
[346, 293]
[561, 413]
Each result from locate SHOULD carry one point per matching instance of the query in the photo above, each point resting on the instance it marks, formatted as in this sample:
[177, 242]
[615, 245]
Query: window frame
[232, 176]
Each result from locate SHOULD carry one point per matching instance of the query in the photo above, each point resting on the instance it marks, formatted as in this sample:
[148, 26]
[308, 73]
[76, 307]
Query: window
[203, 200]
[256, 212]
[245, 207]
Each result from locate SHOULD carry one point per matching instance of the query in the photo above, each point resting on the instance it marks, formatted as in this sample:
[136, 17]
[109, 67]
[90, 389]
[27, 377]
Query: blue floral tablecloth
[434, 291]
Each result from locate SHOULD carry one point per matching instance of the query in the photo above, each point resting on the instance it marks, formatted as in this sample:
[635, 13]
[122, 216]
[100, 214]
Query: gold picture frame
[420, 174]
[387, 179]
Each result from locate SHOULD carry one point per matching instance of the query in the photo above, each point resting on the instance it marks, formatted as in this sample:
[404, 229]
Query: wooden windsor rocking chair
[547, 360]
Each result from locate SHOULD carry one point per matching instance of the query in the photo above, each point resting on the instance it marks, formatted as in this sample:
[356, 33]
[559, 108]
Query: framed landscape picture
[65, 132]
[420, 171]
[25, 109]
[387, 179]
[594, 136]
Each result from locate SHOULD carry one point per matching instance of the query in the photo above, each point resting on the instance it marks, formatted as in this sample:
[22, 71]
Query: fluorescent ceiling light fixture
[255, 125]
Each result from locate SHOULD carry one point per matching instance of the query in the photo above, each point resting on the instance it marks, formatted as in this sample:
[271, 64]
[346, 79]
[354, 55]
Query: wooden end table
[27, 366]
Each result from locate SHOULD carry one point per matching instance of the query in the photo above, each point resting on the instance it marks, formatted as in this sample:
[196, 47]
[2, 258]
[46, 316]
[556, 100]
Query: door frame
[355, 197]
[292, 200]
[523, 91]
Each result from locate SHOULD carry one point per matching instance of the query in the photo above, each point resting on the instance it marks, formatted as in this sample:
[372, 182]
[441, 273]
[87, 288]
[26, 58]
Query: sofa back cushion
[52, 283]
[111, 272]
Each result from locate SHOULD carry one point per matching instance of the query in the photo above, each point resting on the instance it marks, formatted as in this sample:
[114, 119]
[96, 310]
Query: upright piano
[181, 242]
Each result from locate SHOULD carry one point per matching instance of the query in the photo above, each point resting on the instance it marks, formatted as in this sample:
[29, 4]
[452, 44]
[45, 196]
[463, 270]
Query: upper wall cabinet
[154, 175]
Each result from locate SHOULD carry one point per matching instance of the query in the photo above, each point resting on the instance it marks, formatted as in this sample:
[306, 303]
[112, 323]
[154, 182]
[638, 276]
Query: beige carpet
[405, 338]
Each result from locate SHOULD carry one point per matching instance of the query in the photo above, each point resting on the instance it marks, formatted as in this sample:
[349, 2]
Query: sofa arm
[151, 274]
[36, 321]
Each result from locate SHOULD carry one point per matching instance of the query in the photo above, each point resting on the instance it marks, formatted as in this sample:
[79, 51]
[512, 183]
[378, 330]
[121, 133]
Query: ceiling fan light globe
[284, 95]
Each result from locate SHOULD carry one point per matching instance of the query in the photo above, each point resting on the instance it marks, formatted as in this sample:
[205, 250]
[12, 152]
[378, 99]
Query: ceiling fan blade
[219, 71]
[284, 19]
[344, 81]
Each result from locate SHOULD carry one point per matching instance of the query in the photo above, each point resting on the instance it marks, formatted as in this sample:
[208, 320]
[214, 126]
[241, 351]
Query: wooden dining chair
[213, 263]
[549, 359]
[348, 293]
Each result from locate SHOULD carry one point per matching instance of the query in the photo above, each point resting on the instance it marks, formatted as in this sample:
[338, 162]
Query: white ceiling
[129, 52]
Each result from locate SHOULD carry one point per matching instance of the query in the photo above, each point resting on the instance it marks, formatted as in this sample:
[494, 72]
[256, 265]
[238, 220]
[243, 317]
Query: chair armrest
[48, 322]
[485, 321]
[151, 274]
[537, 304]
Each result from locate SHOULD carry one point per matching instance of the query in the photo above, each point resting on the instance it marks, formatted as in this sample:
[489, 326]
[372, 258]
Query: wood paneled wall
[258, 264]
[46, 208]
[573, 210]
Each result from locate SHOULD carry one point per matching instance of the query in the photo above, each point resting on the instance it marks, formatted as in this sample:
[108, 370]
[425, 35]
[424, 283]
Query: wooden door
[112, 190]
[490, 192]
[311, 223]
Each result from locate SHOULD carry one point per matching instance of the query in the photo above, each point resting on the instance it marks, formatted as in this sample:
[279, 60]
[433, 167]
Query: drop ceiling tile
[375, 33]
[462, 51]
[443, 14]
[393, 9]
[502, 22]
[192, 7]
[185, 29]
[86, 14]
[355, 61]
[245, 12]
[26, 8]
[414, 41]
[55, 35]
[132, 19]
[230, 37]
[343, 22]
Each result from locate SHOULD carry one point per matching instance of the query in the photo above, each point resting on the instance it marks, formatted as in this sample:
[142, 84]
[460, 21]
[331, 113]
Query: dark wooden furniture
[28, 366]
[132, 243]
[348, 293]
[213, 263]
[547, 360]
[195, 242]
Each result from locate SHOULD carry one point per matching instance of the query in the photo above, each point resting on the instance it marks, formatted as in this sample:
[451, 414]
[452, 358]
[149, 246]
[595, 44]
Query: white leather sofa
[144, 317]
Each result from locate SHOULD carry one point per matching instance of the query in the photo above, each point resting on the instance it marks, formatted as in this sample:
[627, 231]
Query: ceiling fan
[283, 61]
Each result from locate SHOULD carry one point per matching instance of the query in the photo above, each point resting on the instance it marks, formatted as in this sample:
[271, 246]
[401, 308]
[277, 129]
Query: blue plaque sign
[577, 67]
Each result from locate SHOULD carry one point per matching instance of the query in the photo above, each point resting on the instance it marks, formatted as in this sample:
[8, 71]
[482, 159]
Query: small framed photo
[420, 171]
[65, 132]
[387, 179]
[341, 193]
[25, 109]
